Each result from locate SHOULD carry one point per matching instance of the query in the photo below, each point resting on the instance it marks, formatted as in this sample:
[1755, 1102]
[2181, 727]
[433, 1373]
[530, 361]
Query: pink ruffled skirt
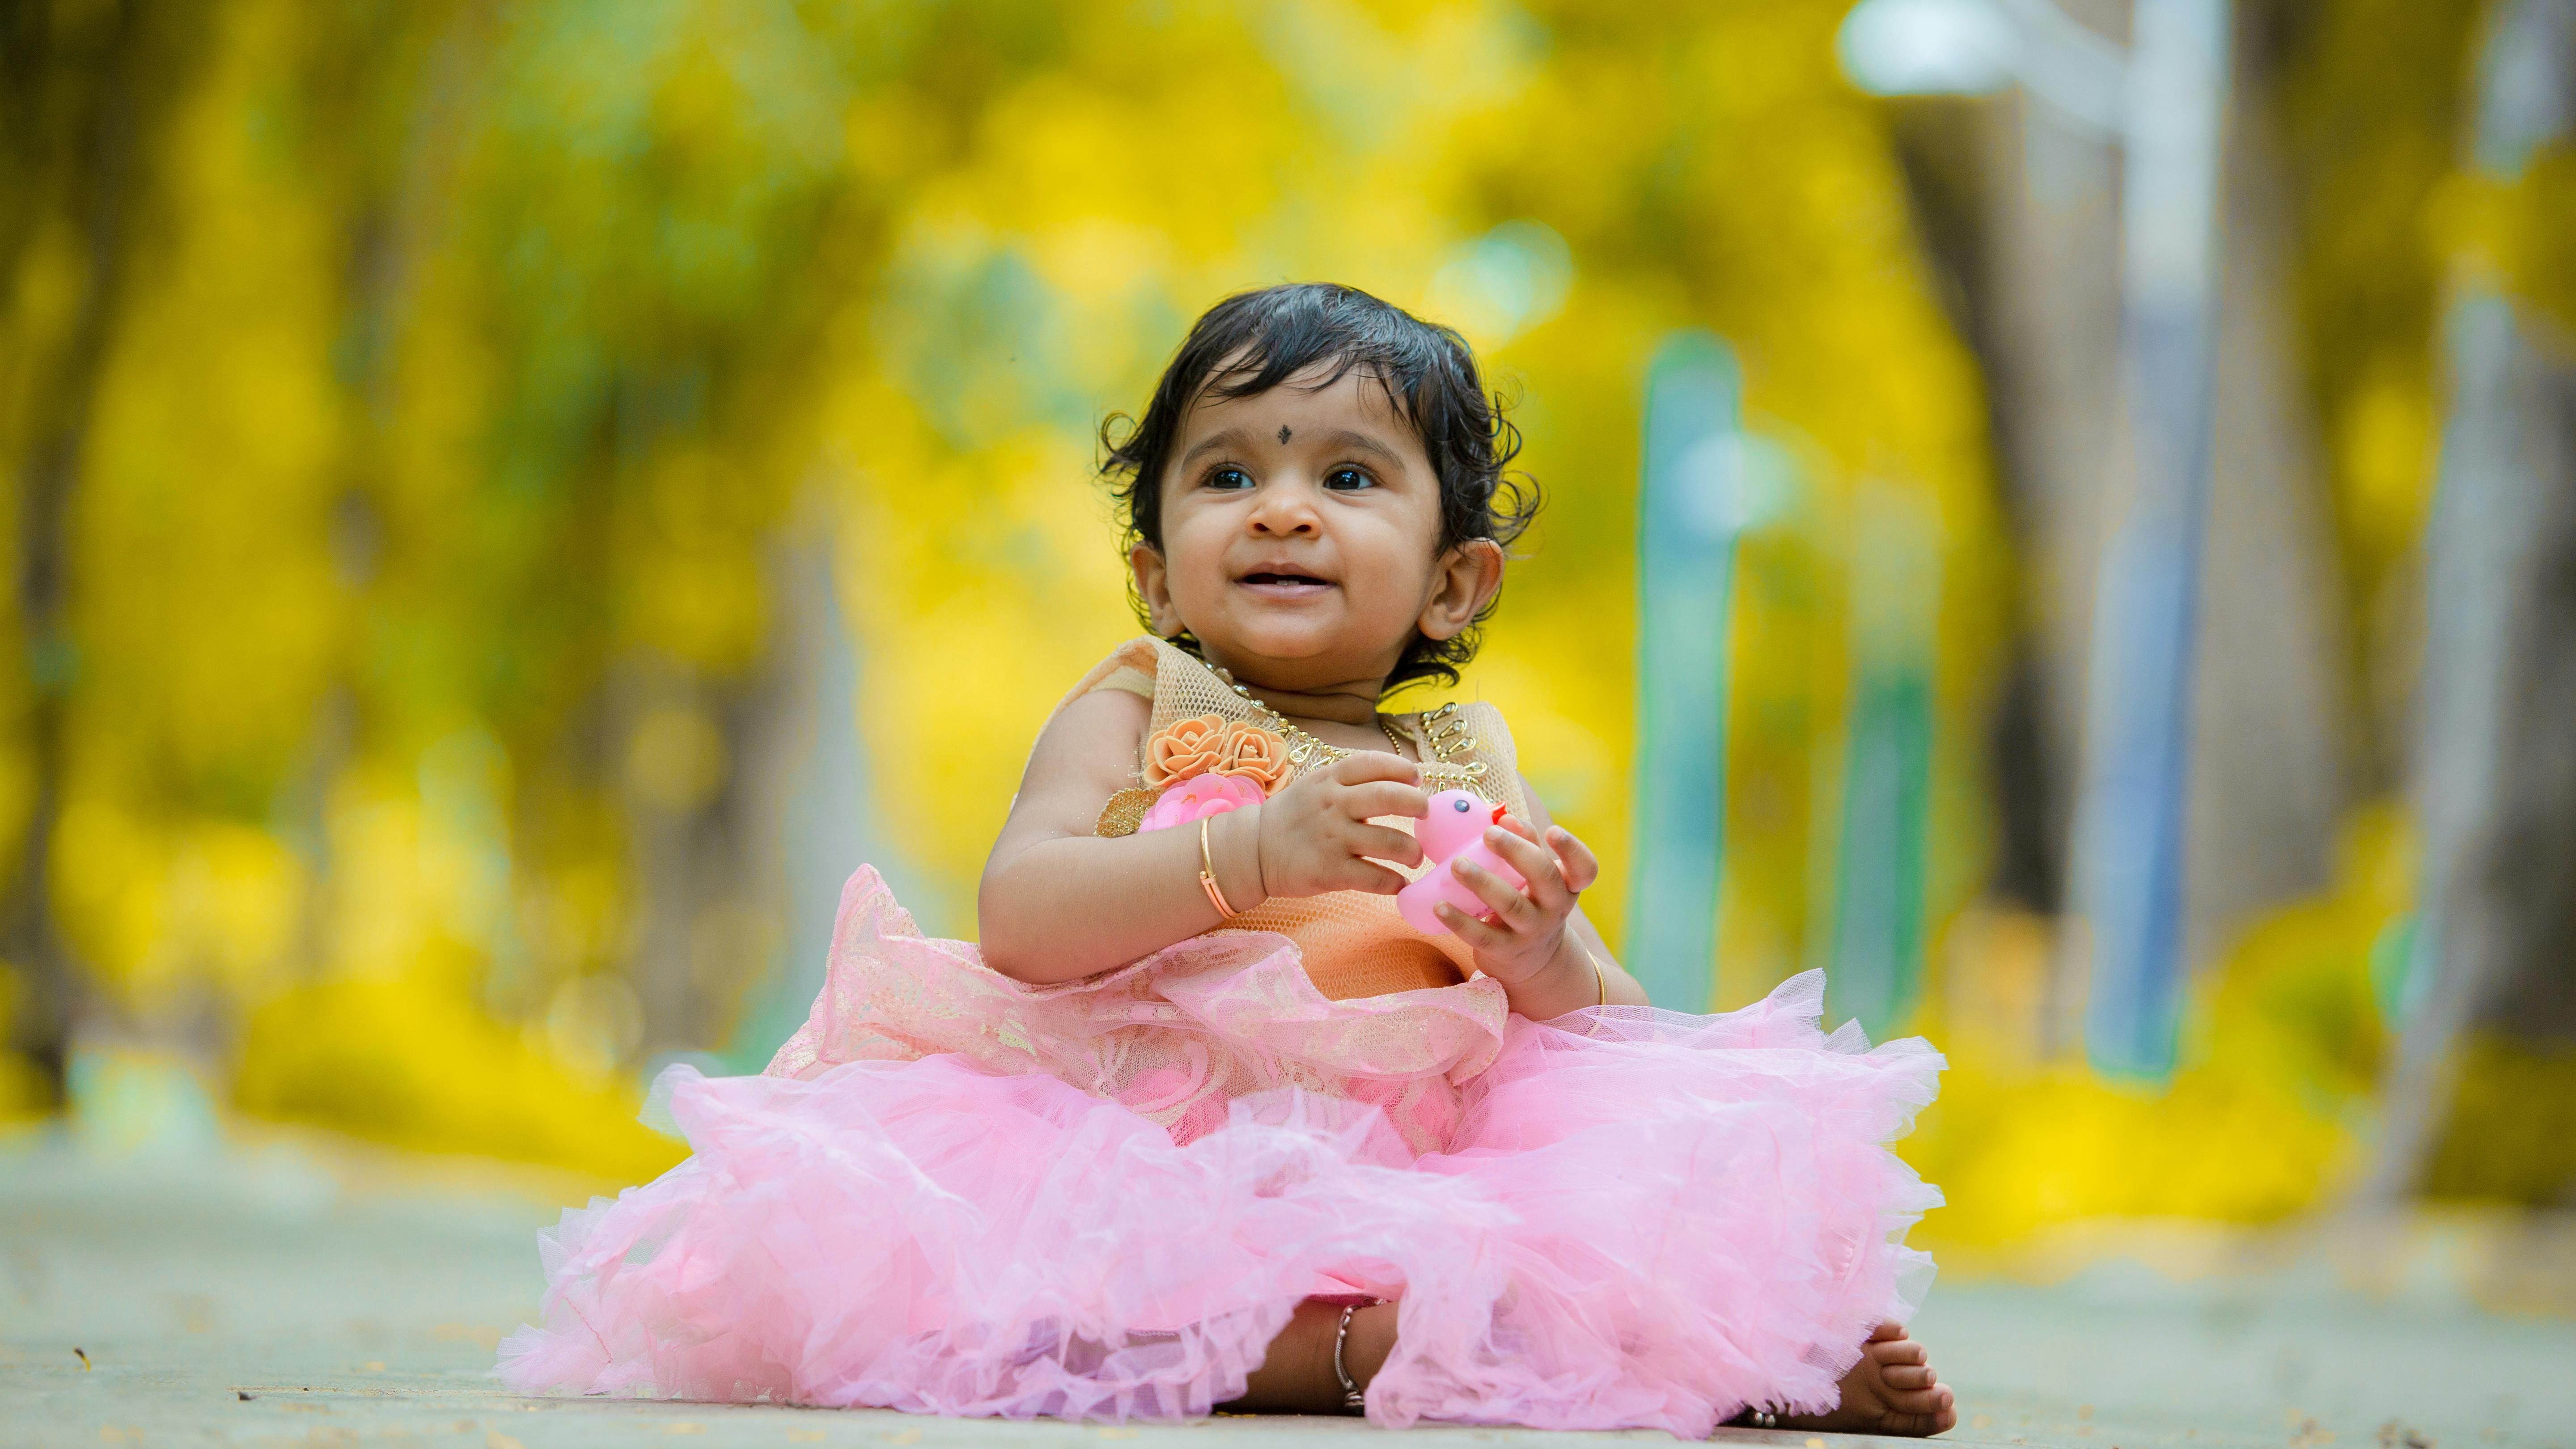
[954, 1194]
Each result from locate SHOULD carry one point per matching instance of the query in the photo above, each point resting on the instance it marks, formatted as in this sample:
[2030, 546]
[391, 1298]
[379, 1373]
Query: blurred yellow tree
[412, 412]
[467, 372]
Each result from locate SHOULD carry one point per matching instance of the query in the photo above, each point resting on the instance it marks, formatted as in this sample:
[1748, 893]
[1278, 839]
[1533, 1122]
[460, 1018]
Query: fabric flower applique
[1250, 752]
[1197, 798]
[1183, 748]
[1209, 765]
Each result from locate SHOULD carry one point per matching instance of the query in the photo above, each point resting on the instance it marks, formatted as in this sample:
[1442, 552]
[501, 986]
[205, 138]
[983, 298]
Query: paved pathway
[304, 1293]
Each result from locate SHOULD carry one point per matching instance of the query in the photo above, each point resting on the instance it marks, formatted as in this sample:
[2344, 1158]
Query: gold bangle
[1600, 978]
[1207, 873]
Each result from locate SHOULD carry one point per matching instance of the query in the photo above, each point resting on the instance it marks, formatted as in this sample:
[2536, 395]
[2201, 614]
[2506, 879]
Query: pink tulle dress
[956, 1194]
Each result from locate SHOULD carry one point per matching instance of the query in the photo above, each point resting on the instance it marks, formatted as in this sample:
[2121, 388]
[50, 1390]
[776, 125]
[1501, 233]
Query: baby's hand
[1315, 836]
[1526, 934]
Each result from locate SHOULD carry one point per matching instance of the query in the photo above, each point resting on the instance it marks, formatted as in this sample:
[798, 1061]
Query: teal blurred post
[824, 827]
[1687, 520]
[1877, 962]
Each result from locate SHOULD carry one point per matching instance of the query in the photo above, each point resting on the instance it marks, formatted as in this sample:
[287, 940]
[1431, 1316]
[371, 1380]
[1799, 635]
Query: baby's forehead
[1326, 386]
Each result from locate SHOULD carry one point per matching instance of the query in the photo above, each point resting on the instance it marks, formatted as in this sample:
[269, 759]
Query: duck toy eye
[1454, 830]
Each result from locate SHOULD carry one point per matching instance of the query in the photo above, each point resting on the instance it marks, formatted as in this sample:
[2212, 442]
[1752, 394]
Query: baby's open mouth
[1302, 581]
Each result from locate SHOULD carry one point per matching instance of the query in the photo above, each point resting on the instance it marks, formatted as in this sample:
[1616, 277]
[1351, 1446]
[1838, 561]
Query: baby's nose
[1283, 512]
[1288, 526]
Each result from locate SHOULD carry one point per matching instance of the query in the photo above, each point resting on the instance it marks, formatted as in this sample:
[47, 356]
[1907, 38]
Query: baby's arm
[1059, 903]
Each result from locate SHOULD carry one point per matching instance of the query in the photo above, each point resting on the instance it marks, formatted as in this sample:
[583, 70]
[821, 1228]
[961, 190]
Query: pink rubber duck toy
[1452, 832]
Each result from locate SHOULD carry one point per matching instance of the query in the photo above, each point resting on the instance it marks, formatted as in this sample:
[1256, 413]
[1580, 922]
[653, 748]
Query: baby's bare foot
[1892, 1390]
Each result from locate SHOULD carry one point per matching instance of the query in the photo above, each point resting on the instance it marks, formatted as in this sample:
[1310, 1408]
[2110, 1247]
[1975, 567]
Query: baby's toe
[1929, 1411]
[1889, 1352]
[1907, 1376]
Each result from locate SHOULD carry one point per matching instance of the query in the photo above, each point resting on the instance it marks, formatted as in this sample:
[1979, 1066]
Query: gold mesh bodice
[1354, 943]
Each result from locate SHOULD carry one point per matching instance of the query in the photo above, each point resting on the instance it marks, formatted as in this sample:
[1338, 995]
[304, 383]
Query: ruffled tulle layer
[1176, 1037]
[1635, 1219]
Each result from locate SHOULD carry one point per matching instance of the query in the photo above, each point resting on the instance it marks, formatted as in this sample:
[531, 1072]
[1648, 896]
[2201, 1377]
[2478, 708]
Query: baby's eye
[1229, 479]
[1348, 480]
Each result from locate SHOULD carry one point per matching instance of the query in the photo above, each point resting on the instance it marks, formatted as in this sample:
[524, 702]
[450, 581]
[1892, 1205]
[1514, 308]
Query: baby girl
[1205, 1120]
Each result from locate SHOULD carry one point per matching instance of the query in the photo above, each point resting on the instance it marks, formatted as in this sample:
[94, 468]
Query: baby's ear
[1462, 584]
[1154, 588]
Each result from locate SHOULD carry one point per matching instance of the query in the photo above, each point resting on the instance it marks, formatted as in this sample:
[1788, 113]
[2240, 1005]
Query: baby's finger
[1355, 874]
[1382, 842]
[1377, 798]
[1366, 765]
[1580, 865]
[1547, 884]
[1510, 906]
[1482, 935]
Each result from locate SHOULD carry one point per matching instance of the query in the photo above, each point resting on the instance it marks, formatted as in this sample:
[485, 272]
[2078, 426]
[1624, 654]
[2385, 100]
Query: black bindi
[1283, 433]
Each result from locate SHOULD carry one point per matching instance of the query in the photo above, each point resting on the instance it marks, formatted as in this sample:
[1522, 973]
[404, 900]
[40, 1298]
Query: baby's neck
[1356, 705]
[1347, 701]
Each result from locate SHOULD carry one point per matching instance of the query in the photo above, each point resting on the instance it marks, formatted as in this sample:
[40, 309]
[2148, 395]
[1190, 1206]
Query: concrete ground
[300, 1291]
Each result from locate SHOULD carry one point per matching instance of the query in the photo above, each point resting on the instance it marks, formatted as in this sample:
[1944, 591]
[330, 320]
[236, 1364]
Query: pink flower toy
[1198, 797]
[1454, 831]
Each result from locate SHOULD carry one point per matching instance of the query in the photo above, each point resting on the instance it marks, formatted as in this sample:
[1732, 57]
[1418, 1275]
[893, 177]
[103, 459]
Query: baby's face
[1299, 534]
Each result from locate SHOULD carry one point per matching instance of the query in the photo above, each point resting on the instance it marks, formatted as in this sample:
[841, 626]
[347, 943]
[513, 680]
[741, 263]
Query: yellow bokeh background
[465, 374]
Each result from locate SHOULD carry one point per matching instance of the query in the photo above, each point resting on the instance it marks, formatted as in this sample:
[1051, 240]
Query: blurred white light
[1973, 47]
[1929, 47]
[1504, 283]
[1735, 483]
[1709, 491]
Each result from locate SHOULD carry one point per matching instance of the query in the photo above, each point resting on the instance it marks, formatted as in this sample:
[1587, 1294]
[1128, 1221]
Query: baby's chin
[1274, 648]
[1290, 652]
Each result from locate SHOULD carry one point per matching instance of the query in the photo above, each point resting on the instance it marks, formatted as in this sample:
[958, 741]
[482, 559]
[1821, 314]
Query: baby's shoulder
[1130, 669]
[1106, 721]
[1105, 713]
[1084, 753]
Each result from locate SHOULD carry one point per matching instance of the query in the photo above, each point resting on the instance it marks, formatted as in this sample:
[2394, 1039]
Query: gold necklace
[1307, 752]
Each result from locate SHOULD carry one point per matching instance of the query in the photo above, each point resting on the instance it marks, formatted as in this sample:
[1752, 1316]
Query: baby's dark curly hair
[1254, 341]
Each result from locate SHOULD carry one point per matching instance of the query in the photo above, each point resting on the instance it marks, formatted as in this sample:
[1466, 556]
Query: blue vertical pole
[1686, 560]
[2130, 816]
[1887, 778]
